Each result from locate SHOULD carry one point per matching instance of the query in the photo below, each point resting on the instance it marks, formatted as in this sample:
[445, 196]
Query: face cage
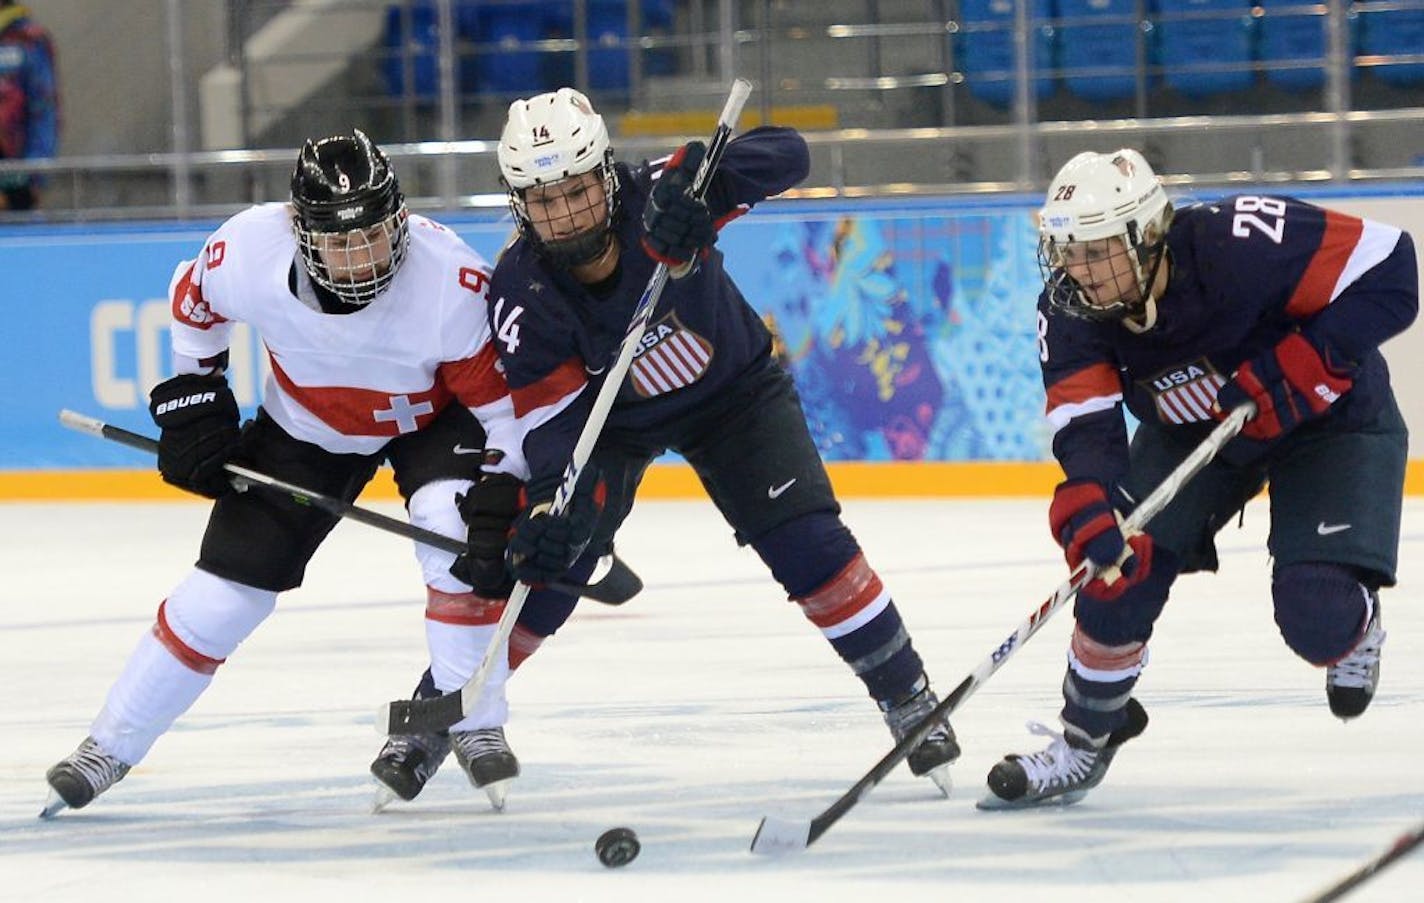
[1065, 293]
[358, 292]
[575, 250]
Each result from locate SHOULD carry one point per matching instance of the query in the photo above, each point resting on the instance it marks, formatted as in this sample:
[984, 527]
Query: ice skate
[405, 764]
[1350, 683]
[81, 776]
[933, 756]
[1061, 774]
[487, 760]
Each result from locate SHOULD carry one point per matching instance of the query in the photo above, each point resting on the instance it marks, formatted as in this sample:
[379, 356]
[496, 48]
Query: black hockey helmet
[350, 216]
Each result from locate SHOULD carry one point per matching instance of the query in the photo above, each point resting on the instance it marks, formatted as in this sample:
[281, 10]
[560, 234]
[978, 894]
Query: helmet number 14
[507, 328]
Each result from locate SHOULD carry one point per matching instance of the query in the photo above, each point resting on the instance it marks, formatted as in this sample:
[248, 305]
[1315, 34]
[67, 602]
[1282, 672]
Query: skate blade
[942, 779]
[54, 804]
[991, 802]
[384, 797]
[497, 791]
[778, 836]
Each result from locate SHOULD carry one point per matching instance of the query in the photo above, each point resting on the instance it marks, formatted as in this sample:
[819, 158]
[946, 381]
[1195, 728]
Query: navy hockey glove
[488, 510]
[678, 227]
[544, 547]
[198, 419]
[1290, 384]
[1084, 523]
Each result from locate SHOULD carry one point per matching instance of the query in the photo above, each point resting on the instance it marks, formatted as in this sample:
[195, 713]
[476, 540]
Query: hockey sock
[1098, 685]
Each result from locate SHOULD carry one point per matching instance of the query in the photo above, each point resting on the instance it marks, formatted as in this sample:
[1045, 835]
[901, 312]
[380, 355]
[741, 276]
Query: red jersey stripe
[474, 381]
[1313, 292]
[566, 379]
[365, 412]
[1094, 381]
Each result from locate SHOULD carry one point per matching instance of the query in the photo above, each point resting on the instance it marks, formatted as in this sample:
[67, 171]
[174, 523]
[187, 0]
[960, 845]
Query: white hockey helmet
[1098, 196]
[549, 138]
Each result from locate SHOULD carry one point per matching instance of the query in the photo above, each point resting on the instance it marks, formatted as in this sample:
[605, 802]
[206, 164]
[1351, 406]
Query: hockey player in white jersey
[374, 322]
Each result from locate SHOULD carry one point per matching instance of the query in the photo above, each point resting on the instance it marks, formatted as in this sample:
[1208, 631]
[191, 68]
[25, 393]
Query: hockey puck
[617, 847]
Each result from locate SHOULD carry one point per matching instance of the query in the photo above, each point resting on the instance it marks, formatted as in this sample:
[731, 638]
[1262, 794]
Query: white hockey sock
[153, 690]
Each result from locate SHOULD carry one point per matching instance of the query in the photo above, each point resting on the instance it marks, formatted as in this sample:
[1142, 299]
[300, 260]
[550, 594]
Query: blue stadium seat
[1393, 32]
[1107, 44]
[1195, 34]
[506, 71]
[421, 46]
[985, 49]
[608, 22]
[1293, 38]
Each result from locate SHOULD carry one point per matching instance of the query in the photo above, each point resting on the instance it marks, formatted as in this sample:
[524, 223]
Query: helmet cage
[349, 217]
[582, 247]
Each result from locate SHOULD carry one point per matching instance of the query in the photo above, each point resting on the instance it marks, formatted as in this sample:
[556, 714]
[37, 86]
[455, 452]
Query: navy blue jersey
[1245, 271]
[556, 336]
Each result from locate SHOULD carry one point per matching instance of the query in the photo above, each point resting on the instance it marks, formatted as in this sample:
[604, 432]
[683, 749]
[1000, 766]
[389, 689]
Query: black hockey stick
[616, 587]
[775, 835]
[419, 716]
[1402, 846]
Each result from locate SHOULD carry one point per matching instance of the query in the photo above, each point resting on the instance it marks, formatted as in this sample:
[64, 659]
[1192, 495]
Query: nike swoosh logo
[1325, 529]
[776, 491]
[461, 450]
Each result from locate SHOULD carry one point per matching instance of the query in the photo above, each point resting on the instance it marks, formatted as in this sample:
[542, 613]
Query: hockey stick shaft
[1402, 846]
[776, 836]
[242, 478]
[408, 716]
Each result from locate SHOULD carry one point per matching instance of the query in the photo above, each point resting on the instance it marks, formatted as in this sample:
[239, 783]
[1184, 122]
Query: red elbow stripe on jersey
[190, 657]
[523, 643]
[844, 596]
[1100, 657]
[475, 381]
[188, 305]
[462, 609]
[724, 219]
[566, 379]
[1317, 284]
[365, 412]
[1094, 381]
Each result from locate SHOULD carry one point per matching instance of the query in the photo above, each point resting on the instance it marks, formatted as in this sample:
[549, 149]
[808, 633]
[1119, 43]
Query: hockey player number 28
[1248, 205]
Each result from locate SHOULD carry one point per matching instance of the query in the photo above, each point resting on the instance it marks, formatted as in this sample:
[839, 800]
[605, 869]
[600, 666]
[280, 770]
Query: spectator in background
[29, 102]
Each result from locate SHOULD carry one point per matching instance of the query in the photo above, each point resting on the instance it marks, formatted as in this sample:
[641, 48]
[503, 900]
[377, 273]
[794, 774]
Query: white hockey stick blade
[776, 836]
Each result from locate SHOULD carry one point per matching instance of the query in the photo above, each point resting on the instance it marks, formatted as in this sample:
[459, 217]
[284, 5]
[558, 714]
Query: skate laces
[905, 717]
[478, 743]
[1358, 668]
[98, 769]
[401, 747]
[1061, 763]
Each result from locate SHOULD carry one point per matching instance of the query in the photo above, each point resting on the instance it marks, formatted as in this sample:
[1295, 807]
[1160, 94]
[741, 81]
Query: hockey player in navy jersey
[374, 322]
[703, 384]
[1181, 316]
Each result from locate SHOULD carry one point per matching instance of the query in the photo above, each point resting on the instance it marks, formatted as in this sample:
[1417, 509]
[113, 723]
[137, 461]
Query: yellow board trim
[806, 118]
[852, 479]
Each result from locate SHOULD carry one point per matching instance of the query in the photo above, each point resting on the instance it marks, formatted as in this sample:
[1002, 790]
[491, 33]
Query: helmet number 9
[1248, 205]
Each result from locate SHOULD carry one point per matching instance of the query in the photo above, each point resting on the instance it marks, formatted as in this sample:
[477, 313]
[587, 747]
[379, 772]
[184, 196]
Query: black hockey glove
[488, 509]
[678, 227]
[199, 422]
[544, 547]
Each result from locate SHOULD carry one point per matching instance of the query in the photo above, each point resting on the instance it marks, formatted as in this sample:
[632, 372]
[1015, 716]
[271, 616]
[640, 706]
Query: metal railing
[880, 76]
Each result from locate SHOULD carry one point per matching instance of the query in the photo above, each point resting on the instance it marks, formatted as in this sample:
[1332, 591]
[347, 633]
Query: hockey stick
[413, 716]
[1402, 846]
[616, 587]
[776, 835]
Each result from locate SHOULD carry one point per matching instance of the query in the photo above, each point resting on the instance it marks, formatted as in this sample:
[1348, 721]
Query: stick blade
[779, 836]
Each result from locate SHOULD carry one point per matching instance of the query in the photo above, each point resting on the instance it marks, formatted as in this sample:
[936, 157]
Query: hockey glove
[1290, 384]
[198, 419]
[1085, 523]
[488, 510]
[678, 227]
[543, 546]
[1121, 603]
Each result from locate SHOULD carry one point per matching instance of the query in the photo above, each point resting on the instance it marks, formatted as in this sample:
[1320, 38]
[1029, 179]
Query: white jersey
[350, 382]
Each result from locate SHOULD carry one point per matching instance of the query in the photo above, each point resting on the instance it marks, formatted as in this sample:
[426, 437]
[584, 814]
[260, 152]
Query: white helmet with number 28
[1104, 206]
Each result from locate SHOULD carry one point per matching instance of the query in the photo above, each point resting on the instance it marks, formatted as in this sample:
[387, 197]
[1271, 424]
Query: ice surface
[687, 715]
